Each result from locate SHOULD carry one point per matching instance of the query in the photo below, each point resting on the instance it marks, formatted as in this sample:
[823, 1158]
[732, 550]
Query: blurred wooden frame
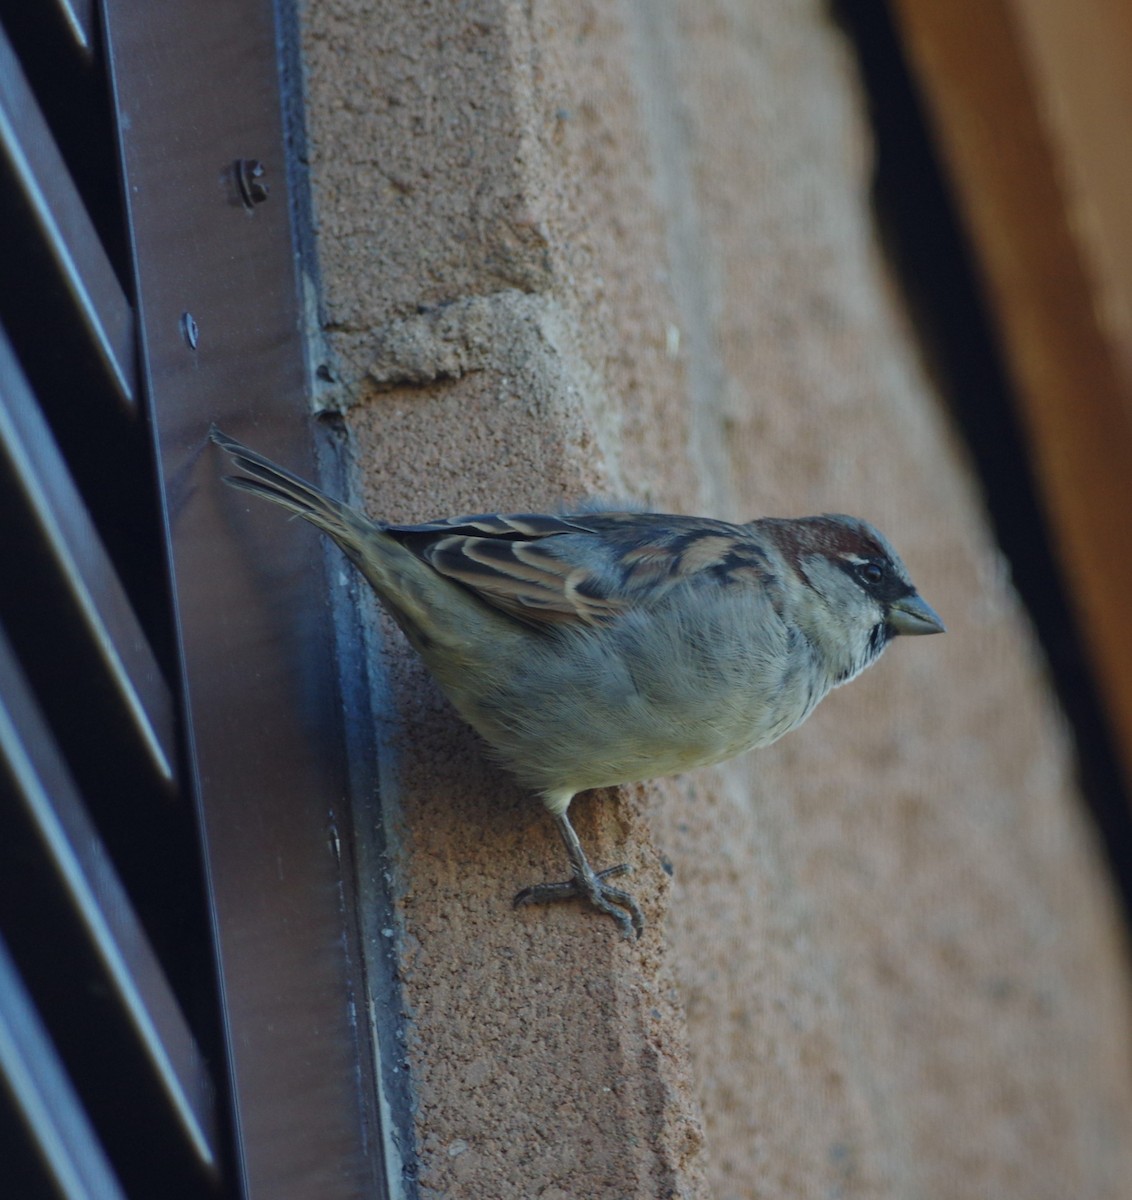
[1031, 102]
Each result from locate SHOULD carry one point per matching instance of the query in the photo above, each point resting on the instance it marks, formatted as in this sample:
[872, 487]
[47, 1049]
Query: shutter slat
[78, 16]
[50, 229]
[69, 1159]
[69, 566]
[51, 843]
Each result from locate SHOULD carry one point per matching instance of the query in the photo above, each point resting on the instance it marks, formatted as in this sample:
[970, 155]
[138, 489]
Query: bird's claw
[591, 886]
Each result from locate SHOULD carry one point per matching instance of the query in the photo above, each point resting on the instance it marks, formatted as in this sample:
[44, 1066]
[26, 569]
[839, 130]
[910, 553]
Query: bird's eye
[871, 572]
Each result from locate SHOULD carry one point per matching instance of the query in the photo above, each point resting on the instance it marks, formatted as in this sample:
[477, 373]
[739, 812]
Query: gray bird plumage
[595, 649]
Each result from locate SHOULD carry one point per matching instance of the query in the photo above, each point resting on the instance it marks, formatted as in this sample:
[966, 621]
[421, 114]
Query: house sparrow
[599, 648]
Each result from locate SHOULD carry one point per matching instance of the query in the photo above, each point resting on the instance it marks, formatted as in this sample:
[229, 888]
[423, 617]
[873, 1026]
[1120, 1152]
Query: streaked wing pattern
[585, 568]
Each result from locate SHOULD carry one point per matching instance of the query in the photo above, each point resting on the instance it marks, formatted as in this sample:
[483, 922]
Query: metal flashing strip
[202, 143]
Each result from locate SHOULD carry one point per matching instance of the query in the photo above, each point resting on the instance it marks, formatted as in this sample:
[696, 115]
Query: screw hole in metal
[190, 330]
[249, 178]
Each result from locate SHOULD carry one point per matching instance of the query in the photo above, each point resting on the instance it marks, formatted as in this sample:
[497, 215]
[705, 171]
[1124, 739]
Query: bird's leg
[587, 883]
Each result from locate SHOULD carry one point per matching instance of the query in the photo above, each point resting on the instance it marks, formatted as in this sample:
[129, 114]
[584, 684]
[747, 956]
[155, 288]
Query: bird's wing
[584, 569]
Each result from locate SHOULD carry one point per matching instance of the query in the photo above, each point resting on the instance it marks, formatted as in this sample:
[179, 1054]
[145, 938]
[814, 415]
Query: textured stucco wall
[886, 962]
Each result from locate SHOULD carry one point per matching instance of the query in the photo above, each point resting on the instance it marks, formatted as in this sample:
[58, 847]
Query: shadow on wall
[933, 264]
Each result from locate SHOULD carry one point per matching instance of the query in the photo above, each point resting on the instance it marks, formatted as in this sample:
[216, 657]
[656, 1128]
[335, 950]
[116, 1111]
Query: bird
[591, 649]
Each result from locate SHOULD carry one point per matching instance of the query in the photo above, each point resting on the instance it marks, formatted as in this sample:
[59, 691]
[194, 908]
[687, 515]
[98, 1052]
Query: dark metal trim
[198, 98]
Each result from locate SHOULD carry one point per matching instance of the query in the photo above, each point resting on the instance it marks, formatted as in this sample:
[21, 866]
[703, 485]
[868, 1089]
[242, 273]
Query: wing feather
[584, 569]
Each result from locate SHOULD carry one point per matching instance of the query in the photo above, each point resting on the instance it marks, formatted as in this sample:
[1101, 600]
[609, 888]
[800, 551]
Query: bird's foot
[590, 885]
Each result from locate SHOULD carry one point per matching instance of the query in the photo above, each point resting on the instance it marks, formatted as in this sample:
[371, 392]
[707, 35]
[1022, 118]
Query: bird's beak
[911, 615]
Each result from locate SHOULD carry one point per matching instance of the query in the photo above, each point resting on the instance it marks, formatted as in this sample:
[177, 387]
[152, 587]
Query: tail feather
[279, 485]
[429, 608]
